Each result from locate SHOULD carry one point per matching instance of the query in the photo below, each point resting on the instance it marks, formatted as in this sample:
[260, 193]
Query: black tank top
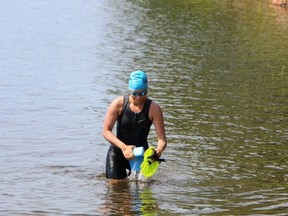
[133, 128]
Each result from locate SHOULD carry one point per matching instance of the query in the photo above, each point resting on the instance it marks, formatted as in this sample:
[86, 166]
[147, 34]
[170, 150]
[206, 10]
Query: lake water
[218, 68]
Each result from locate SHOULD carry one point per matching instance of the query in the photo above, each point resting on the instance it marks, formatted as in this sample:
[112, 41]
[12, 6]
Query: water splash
[137, 176]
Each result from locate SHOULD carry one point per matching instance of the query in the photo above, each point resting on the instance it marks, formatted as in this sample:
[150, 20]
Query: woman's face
[139, 95]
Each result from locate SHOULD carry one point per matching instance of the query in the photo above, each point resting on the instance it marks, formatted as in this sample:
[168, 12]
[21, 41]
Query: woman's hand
[128, 152]
[159, 152]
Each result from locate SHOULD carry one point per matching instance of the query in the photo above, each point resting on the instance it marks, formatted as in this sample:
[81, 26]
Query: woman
[134, 114]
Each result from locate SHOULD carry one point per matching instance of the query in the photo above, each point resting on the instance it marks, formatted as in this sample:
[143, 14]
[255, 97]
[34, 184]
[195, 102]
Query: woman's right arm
[114, 110]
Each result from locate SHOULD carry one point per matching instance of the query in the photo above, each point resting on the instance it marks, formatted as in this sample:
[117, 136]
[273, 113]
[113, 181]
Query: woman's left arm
[156, 115]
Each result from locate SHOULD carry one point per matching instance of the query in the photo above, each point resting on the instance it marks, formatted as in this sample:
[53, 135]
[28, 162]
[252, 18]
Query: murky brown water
[218, 68]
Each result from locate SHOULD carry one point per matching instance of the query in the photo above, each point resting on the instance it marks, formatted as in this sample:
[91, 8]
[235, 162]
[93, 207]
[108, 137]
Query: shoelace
[155, 157]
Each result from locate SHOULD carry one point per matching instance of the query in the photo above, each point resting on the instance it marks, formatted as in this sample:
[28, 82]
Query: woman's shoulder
[117, 103]
[119, 99]
[155, 112]
[155, 107]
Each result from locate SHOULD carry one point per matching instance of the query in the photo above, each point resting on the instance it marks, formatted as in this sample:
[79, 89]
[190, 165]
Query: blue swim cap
[138, 81]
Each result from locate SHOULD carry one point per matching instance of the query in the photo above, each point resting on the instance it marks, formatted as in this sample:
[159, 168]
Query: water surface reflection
[129, 198]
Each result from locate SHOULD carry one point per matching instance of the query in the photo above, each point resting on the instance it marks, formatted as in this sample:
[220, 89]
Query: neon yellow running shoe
[150, 163]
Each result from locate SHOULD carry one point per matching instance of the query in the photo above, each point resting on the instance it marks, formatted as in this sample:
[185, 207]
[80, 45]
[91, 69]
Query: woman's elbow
[104, 133]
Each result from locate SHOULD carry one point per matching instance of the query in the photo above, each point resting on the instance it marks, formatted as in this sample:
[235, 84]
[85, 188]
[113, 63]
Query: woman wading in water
[134, 114]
